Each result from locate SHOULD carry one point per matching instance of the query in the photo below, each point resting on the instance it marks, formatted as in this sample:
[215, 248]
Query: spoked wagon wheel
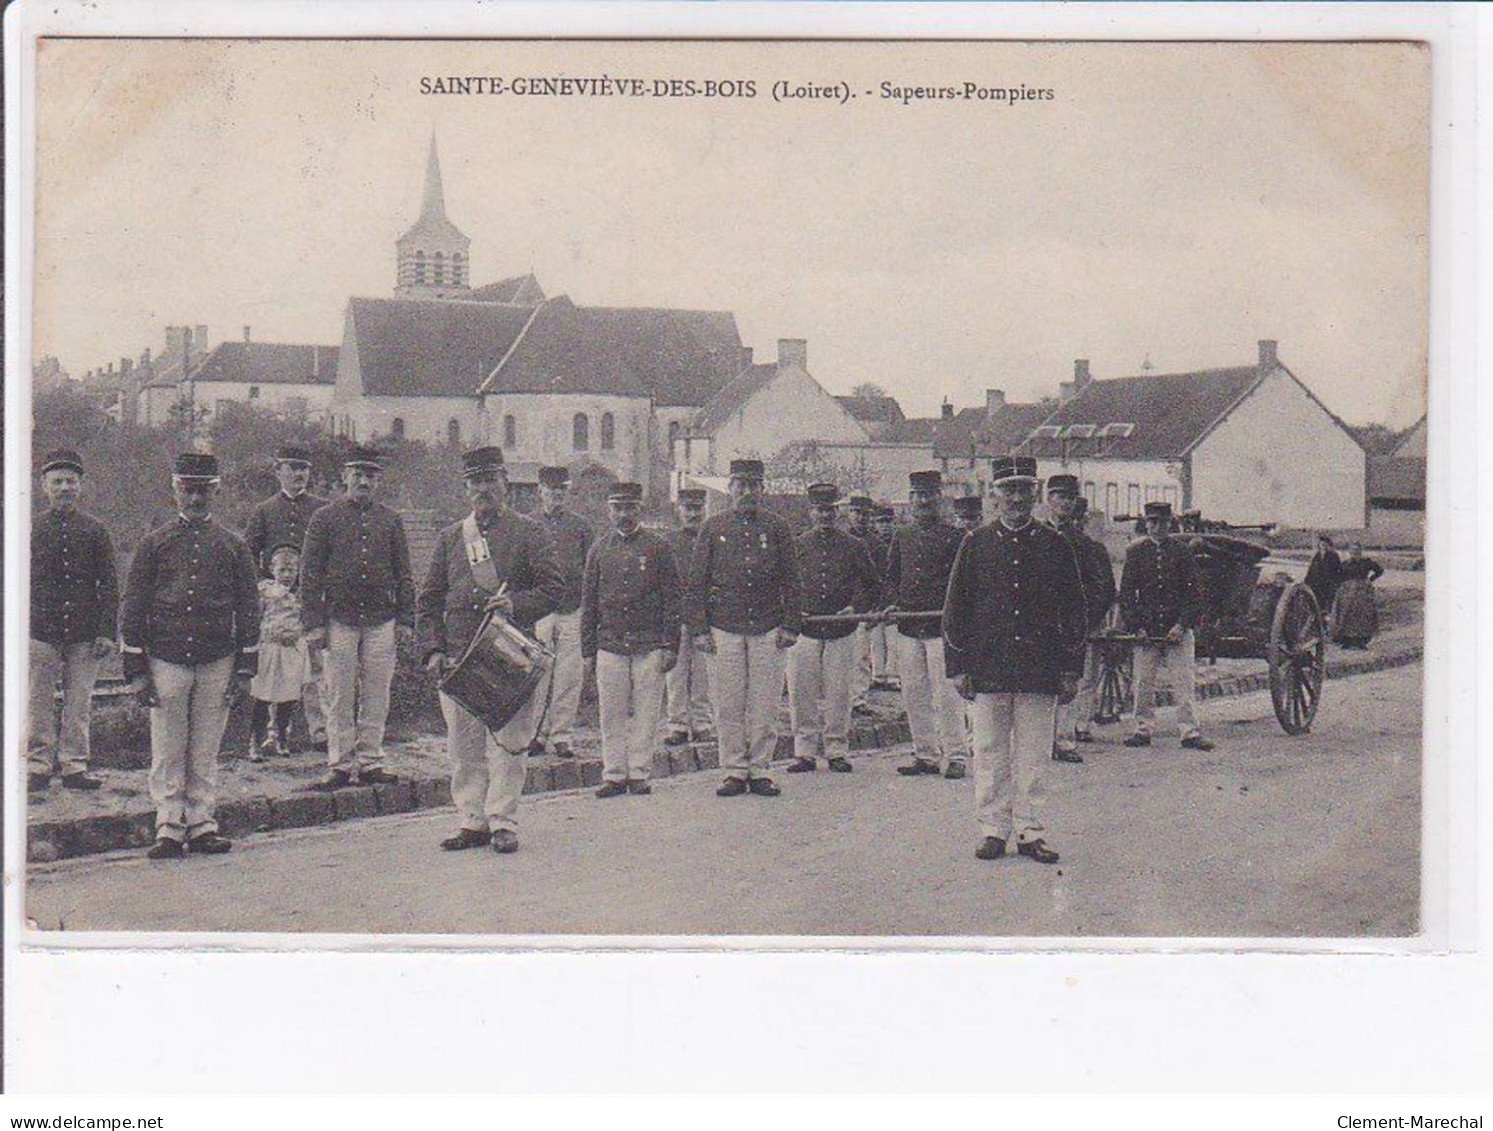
[1296, 653]
[1114, 682]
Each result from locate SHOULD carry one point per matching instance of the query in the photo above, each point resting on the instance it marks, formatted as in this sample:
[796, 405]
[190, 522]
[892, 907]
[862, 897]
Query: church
[551, 382]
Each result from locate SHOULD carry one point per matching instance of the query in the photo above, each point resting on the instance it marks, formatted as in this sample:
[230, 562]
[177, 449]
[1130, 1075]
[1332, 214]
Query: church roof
[521, 290]
[433, 226]
[429, 347]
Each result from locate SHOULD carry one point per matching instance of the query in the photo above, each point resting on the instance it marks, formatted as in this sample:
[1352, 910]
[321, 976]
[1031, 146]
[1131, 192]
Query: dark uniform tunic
[451, 604]
[630, 597]
[192, 597]
[74, 585]
[1323, 575]
[836, 570]
[744, 576]
[919, 561]
[1159, 587]
[572, 536]
[682, 542]
[1098, 574]
[356, 567]
[1014, 621]
[278, 521]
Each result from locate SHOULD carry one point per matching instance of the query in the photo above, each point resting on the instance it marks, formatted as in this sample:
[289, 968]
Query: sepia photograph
[865, 493]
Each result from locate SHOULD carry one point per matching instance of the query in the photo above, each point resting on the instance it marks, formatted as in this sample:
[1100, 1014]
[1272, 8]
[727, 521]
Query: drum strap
[479, 555]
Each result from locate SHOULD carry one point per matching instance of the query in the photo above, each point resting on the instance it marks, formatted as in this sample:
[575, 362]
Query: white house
[1246, 444]
[765, 410]
[295, 381]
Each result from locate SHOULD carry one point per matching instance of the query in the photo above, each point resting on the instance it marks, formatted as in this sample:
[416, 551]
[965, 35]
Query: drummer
[492, 560]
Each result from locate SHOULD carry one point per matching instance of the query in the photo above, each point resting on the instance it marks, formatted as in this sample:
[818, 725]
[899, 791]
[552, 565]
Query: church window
[673, 435]
[440, 268]
[510, 431]
[580, 430]
[457, 268]
[419, 267]
[453, 433]
[253, 392]
[608, 432]
[396, 429]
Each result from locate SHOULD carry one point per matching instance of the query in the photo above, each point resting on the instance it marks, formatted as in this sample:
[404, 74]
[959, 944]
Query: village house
[964, 442]
[293, 381]
[1244, 444]
[1397, 490]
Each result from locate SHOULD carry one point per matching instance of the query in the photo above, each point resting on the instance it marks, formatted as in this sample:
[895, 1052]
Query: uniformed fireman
[281, 520]
[838, 578]
[1160, 598]
[560, 632]
[189, 628]
[743, 604]
[687, 686]
[917, 576]
[74, 604]
[969, 512]
[1014, 630]
[1068, 509]
[500, 560]
[357, 602]
[630, 632]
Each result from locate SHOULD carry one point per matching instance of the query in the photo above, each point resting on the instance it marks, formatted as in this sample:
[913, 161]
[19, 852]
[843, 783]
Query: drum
[498, 672]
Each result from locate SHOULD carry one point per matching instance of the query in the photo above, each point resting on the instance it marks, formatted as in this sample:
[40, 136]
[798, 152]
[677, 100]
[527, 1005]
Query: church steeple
[432, 255]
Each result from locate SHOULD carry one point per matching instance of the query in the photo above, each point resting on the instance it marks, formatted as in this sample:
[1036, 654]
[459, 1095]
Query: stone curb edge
[85, 836]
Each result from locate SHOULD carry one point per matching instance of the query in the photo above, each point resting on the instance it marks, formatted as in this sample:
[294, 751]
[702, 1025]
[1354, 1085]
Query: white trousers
[58, 740]
[819, 675]
[860, 671]
[359, 669]
[314, 698]
[1012, 733]
[630, 691]
[1078, 716]
[934, 709]
[185, 732]
[746, 684]
[883, 655]
[487, 771]
[687, 689]
[1177, 664]
[561, 633]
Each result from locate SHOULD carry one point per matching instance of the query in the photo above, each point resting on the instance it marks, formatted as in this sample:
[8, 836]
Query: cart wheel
[1114, 684]
[1296, 653]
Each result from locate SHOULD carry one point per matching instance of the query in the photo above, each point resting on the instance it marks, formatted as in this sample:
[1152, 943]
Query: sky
[1170, 203]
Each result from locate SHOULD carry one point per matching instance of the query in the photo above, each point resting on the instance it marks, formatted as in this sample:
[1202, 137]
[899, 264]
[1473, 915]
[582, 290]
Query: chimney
[1081, 375]
[111, 369]
[995, 400]
[946, 410]
[199, 339]
[1267, 353]
[145, 357]
[246, 335]
[125, 365]
[793, 351]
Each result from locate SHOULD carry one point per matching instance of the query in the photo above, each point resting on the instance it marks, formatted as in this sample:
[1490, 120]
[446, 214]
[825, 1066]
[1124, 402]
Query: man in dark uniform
[630, 631]
[281, 520]
[357, 601]
[1160, 598]
[560, 631]
[743, 607]
[838, 577]
[1068, 509]
[917, 576]
[190, 636]
[1014, 631]
[74, 603]
[493, 559]
[969, 512]
[862, 510]
[687, 685]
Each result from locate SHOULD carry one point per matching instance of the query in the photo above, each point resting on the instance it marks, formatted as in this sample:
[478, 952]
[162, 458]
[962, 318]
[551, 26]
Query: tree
[867, 391]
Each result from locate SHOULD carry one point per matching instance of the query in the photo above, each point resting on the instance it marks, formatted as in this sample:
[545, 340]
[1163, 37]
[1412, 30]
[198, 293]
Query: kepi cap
[1062, 483]
[1158, 510]
[929, 481]
[62, 459]
[198, 466]
[364, 456]
[692, 496]
[292, 453]
[823, 494]
[625, 492]
[862, 503]
[554, 477]
[747, 469]
[479, 461]
[1007, 469]
[969, 506]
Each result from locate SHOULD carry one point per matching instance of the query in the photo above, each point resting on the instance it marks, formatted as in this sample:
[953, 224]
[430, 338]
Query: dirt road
[1267, 835]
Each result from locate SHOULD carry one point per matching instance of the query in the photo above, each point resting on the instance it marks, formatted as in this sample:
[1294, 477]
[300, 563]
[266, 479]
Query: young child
[284, 660]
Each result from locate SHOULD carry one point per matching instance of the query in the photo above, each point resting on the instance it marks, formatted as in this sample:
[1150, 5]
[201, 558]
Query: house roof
[974, 431]
[409, 347]
[913, 430]
[269, 363]
[1414, 436]
[874, 410]
[1171, 413]
[1397, 477]
[721, 407]
[521, 290]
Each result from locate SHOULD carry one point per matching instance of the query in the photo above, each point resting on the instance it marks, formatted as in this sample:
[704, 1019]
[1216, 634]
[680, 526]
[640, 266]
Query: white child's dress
[284, 660]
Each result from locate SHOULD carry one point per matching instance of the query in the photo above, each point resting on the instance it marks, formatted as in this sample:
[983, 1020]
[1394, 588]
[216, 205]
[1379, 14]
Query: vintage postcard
[840, 493]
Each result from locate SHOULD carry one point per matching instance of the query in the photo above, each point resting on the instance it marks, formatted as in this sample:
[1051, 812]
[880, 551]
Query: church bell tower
[433, 255]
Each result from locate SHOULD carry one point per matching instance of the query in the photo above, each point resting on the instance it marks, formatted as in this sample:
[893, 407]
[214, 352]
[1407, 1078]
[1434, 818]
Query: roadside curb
[86, 836]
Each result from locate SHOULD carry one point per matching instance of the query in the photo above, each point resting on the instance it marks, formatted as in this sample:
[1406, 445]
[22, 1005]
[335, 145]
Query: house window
[1111, 500]
[1169, 495]
[457, 266]
[253, 392]
[440, 268]
[608, 432]
[1132, 499]
[419, 267]
[673, 435]
[510, 431]
[396, 429]
[580, 432]
[1150, 493]
[453, 433]
[1088, 493]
